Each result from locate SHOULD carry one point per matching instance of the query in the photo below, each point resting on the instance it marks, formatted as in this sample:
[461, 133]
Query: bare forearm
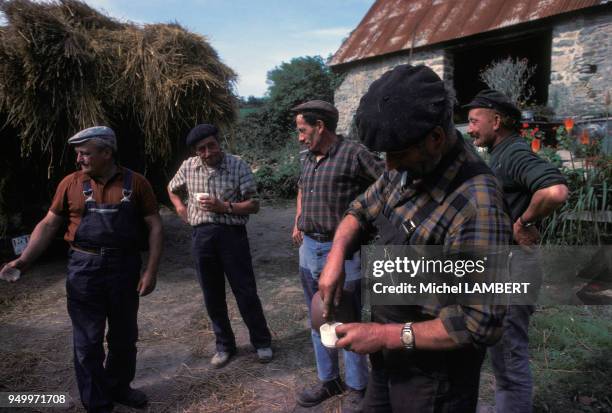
[176, 200]
[544, 202]
[250, 206]
[40, 238]
[346, 238]
[298, 207]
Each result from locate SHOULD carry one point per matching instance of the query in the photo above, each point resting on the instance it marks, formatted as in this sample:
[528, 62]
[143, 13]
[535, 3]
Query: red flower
[569, 124]
[536, 129]
[525, 125]
[584, 137]
[535, 145]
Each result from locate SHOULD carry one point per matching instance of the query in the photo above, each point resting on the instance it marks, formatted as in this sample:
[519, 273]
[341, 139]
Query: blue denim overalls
[101, 285]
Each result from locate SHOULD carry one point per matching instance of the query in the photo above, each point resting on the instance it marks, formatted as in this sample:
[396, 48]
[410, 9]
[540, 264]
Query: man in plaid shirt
[436, 192]
[334, 172]
[221, 194]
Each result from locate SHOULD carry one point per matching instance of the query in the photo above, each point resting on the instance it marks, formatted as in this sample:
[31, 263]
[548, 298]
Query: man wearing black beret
[221, 194]
[533, 189]
[424, 358]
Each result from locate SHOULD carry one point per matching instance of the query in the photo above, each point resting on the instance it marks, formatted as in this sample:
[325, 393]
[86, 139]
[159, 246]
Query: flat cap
[103, 133]
[201, 131]
[320, 106]
[493, 99]
[400, 108]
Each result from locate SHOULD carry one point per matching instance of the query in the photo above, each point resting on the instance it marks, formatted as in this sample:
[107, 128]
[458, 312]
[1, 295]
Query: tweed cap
[201, 131]
[319, 106]
[400, 108]
[103, 133]
[493, 99]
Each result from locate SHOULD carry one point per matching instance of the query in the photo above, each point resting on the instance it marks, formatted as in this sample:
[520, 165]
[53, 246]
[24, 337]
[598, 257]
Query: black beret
[200, 132]
[320, 106]
[400, 108]
[492, 99]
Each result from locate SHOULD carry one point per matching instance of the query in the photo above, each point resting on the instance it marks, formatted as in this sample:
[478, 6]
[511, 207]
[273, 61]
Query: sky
[252, 36]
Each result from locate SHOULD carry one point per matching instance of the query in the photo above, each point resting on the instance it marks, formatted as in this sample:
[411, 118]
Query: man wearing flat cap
[334, 172]
[533, 189]
[112, 214]
[434, 192]
[221, 194]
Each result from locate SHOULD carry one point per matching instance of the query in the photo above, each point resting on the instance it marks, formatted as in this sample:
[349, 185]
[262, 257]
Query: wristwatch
[407, 337]
[526, 224]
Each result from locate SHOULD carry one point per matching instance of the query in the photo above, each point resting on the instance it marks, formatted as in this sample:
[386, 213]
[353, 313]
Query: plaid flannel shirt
[479, 223]
[231, 181]
[331, 183]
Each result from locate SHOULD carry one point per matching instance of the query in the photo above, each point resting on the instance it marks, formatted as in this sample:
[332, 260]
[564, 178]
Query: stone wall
[359, 77]
[581, 65]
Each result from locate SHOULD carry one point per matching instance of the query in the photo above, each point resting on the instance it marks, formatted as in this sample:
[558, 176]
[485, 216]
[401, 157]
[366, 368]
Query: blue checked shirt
[479, 223]
[231, 181]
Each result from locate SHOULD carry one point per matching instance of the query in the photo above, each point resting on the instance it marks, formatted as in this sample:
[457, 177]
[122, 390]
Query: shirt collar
[332, 149]
[117, 175]
[223, 165]
[437, 183]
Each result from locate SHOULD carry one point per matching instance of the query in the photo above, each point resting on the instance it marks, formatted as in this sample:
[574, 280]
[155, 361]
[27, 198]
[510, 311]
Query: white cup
[10, 274]
[328, 334]
[201, 195]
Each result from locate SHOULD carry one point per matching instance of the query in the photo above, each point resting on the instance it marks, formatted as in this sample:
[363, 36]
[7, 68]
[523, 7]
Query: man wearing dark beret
[533, 189]
[111, 214]
[221, 194]
[334, 171]
[434, 192]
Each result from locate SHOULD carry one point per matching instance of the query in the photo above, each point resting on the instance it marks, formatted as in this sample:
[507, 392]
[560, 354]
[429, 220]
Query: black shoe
[130, 397]
[319, 393]
[352, 401]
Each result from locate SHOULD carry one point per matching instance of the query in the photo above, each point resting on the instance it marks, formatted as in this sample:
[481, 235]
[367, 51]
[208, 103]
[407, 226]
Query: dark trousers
[510, 360]
[422, 381]
[224, 249]
[100, 289]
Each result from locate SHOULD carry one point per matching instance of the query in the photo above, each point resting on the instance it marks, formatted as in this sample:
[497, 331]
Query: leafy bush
[278, 176]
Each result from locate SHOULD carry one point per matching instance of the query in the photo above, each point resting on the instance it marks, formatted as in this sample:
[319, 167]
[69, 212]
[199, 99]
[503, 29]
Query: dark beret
[200, 132]
[492, 99]
[320, 106]
[400, 108]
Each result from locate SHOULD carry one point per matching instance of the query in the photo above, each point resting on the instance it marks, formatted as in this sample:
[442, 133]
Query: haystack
[65, 66]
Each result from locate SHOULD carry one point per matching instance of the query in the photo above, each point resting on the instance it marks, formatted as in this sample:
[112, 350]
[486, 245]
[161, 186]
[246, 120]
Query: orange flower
[536, 145]
[584, 137]
[569, 124]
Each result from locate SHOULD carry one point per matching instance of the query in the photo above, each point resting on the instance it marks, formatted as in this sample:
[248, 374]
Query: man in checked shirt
[221, 195]
[424, 358]
[334, 171]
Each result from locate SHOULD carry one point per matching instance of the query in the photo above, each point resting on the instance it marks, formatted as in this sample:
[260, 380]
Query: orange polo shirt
[69, 200]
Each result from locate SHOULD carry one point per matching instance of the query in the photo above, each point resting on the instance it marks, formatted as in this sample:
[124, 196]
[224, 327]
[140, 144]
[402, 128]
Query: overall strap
[127, 185]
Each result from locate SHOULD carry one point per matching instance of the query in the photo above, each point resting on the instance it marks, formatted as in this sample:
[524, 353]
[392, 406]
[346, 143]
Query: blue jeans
[510, 360]
[313, 255]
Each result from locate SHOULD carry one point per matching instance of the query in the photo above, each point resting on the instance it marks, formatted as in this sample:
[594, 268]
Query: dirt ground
[176, 342]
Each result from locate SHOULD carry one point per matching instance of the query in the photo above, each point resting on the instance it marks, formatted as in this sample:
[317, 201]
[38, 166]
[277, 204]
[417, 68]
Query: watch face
[407, 337]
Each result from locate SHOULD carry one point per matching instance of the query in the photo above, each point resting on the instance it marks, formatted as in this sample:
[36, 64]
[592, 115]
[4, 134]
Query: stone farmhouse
[569, 41]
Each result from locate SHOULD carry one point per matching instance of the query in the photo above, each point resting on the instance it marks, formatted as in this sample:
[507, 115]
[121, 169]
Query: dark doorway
[470, 60]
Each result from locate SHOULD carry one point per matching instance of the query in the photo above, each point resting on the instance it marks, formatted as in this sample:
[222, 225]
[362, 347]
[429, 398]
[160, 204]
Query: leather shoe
[220, 359]
[352, 401]
[319, 393]
[130, 397]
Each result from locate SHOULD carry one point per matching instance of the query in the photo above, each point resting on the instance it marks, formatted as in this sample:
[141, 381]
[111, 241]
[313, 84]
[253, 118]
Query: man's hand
[297, 236]
[147, 282]
[17, 264]
[366, 338]
[525, 236]
[212, 204]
